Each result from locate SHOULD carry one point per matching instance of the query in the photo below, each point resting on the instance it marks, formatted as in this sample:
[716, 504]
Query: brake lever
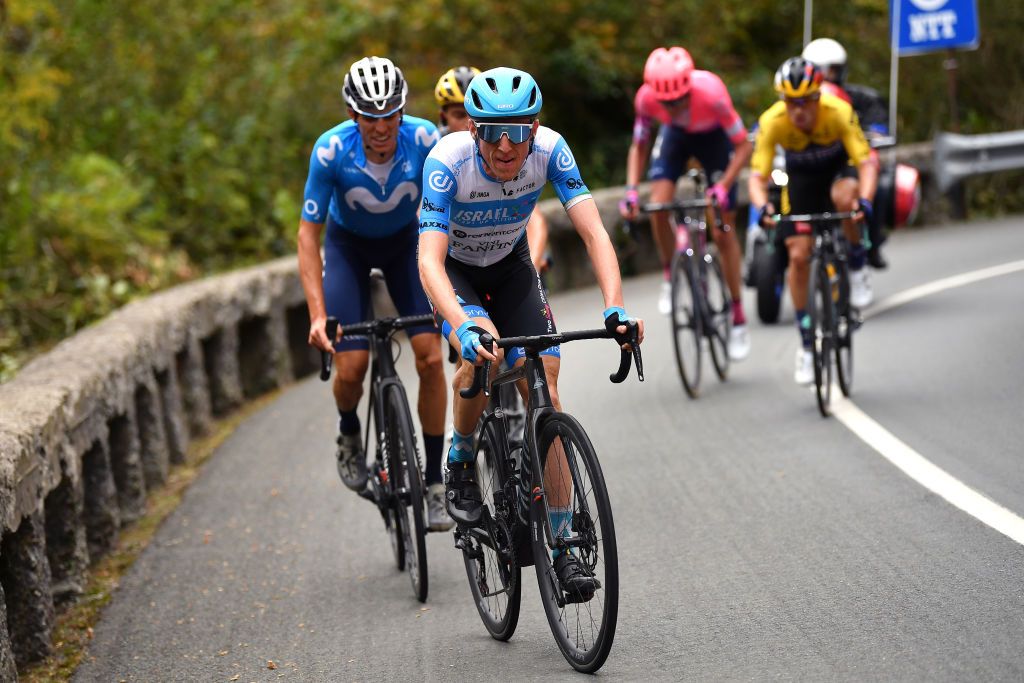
[327, 358]
[481, 373]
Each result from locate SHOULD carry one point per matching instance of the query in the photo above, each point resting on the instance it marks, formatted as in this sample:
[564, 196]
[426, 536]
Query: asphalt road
[757, 540]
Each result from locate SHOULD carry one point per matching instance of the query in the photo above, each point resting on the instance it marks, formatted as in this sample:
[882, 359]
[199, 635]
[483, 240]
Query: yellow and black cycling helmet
[451, 87]
[798, 77]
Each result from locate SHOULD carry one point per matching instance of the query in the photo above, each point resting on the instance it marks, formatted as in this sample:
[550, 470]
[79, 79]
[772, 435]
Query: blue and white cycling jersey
[341, 185]
[484, 218]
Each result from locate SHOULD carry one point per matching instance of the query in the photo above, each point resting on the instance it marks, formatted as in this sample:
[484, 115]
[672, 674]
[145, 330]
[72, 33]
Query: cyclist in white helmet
[364, 183]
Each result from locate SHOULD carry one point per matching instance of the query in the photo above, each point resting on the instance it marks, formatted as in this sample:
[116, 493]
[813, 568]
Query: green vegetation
[145, 143]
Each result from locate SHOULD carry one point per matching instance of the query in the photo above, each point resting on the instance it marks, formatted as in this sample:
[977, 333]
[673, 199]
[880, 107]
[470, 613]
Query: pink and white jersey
[710, 108]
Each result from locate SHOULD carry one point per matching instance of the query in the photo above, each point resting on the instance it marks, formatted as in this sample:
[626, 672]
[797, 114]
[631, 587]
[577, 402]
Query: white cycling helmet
[829, 56]
[374, 86]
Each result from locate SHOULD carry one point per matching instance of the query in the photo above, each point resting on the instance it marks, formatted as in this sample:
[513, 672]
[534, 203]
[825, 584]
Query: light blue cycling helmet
[503, 92]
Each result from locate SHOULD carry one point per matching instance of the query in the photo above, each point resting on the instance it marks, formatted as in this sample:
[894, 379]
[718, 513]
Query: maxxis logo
[565, 161]
[440, 181]
[311, 208]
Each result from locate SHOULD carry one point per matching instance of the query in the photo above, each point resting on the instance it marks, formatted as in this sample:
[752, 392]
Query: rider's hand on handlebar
[469, 339]
[720, 195]
[629, 206]
[865, 209]
[765, 216]
[617, 314]
[318, 335]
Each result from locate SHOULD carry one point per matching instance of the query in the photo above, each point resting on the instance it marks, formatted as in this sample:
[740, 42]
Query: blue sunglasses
[492, 132]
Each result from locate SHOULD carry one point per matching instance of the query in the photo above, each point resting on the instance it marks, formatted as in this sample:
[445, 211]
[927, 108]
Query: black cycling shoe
[577, 583]
[351, 461]
[462, 495]
[876, 260]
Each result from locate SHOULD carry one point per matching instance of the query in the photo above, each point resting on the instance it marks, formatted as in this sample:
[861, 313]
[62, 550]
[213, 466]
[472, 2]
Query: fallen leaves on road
[271, 665]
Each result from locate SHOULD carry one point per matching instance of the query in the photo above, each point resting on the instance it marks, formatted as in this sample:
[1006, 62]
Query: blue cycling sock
[462, 447]
[349, 423]
[858, 256]
[561, 525]
[803, 324]
[432, 448]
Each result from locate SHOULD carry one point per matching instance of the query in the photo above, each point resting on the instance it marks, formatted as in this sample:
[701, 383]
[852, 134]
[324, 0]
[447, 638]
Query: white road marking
[918, 468]
[909, 461]
[937, 286]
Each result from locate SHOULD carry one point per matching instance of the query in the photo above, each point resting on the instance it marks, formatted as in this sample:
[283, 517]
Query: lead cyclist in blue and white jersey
[364, 182]
[479, 189]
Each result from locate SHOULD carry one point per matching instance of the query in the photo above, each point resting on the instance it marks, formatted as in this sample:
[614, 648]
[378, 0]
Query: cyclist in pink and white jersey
[696, 119]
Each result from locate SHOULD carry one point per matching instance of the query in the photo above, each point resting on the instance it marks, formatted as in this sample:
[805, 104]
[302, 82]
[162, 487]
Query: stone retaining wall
[87, 428]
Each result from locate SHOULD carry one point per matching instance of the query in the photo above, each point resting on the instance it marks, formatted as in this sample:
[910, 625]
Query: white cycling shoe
[665, 298]
[437, 516]
[739, 342]
[860, 288]
[804, 371]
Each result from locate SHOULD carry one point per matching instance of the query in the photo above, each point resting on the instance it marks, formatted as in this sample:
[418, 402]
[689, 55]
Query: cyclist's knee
[351, 366]
[429, 364]
[662, 190]
[844, 194]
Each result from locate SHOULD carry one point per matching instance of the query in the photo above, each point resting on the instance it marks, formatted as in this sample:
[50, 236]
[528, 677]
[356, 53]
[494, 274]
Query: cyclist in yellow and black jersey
[830, 168]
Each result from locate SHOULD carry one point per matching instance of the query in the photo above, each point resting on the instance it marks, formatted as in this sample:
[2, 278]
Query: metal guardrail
[960, 156]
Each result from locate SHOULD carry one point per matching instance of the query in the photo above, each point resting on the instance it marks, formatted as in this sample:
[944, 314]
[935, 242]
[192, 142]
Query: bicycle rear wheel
[844, 326]
[407, 487]
[686, 323]
[583, 627]
[820, 307]
[495, 578]
[719, 318]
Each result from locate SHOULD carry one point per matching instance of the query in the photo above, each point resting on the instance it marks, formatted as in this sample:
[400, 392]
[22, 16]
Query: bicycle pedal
[571, 598]
[368, 494]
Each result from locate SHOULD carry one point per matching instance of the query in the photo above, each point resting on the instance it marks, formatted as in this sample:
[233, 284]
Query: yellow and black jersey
[836, 137]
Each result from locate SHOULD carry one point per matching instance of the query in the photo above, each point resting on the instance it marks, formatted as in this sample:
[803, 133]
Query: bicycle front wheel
[583, 625]
[494, 575]
[719, 319]
[406, 485]
[844, 325]
[820, 308]
[687, 330]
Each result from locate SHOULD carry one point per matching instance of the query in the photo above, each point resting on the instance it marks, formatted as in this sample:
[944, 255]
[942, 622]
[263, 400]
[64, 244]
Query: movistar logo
[360, 197]
[325, 155]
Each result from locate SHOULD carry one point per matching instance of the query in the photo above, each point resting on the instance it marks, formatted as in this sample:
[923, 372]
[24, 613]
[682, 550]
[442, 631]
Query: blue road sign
[930, 25]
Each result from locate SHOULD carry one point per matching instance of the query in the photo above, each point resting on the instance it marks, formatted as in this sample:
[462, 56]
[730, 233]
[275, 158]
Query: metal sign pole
[894, 67]
[808, 13]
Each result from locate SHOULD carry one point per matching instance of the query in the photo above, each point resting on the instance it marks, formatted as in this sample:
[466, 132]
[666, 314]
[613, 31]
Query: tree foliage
[148, 142]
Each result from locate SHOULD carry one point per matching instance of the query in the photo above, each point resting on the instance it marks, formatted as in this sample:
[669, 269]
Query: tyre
[494, 576]
[687, 330]
[719, 309]
[405, 478]
[820, 308]
[844, 326]
[584, 628]
[383, 494]
[769, 283]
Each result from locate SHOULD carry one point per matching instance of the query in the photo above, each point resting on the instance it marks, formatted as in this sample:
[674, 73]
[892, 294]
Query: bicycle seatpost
[482, 372]
[327, 358]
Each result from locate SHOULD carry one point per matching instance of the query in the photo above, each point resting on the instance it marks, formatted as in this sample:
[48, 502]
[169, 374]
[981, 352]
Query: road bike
[518, 493]
[395, 482]
[833, 318]
[701, 303]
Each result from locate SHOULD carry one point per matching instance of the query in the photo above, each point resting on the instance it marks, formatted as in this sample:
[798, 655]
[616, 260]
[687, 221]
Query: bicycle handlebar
[543, 341]
[327, 358]
[380, 326]
[815, 217]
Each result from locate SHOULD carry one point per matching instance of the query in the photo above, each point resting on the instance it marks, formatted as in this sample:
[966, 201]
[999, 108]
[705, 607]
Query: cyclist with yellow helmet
[450, 93]
[830, 169]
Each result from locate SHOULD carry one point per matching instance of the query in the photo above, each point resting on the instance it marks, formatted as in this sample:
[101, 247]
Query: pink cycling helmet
[668, 72]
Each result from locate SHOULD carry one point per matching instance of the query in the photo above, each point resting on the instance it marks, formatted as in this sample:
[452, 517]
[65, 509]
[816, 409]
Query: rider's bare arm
[310, 274]
[537, 237]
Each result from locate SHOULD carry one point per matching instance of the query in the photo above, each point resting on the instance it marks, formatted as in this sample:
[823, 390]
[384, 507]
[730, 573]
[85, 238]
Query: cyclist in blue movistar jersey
[480, 188]
[364, 182]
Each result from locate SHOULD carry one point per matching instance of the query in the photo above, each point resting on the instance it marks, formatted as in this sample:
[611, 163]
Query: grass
[74, 625]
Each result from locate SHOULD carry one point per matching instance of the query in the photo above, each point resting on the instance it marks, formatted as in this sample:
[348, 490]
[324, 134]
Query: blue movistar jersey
[485, 218]
[340, 182]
